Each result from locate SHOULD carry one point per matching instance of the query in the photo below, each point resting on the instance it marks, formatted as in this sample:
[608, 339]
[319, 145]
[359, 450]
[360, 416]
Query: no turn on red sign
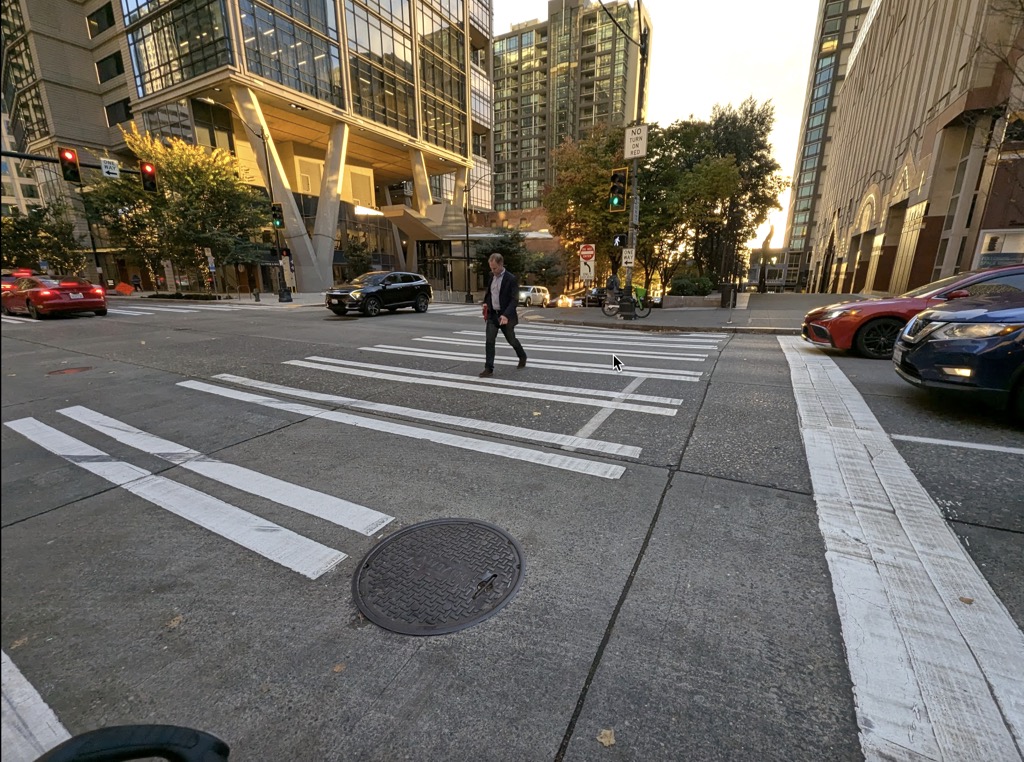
[587, 252]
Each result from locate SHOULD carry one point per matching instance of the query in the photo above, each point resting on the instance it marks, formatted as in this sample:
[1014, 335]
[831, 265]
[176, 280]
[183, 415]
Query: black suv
[371, 292]
[593, 298]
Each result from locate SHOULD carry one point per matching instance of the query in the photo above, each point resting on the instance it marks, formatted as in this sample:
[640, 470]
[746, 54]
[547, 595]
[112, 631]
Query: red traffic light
[69, 169]
[68, 154]
[148, 171]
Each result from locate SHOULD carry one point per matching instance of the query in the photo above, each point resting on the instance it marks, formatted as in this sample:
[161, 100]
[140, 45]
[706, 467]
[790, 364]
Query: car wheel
[100, 313]
[371, 307]
[33, 311]
[527, 303]
[422, 302]
[877, 338]
[339, 311]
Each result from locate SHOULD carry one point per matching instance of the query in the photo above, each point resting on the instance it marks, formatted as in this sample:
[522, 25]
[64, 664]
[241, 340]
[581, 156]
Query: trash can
[728, 294]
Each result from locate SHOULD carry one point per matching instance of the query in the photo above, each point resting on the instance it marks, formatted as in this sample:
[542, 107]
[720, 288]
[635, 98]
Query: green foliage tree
[512, 247]
[201, 204]
[45, 234]
[544, 269]
[357, 258]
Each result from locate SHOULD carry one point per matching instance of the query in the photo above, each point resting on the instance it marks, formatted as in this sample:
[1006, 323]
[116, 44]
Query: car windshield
[937, 285]
[368, 279]
[47, 282]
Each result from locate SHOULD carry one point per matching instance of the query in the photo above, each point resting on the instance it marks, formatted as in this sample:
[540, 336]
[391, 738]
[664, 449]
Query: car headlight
[833, 314]
[953, 331]
[357, 294]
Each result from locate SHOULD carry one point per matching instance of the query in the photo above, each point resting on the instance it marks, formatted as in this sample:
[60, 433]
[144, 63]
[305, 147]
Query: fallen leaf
[175, 622]
[19, 643]
[338, 668]
[965, 599]
[606, 737]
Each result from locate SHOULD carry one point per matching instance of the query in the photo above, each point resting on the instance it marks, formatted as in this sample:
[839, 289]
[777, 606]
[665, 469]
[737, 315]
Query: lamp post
[283, 293]
[465, 250]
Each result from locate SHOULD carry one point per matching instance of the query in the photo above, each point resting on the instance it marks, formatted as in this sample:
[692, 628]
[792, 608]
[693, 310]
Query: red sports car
[871, 326]
[40, 296]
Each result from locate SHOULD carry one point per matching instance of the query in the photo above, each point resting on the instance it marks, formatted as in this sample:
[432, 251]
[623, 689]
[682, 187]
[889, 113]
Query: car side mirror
[960, 293]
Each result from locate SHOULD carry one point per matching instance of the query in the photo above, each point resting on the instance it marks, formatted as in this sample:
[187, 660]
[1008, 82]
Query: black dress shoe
[522, 363]
[486, 373]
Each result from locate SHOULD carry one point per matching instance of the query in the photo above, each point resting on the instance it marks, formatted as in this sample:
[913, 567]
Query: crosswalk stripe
[30, 727]
[900, 575]
[283, 546]
[653, 342]
[479, 342]
[601, 370]
[518, 432]
[169, 309]
[513, 452]
[467, 309]
[353, 516]
[12, 319]
[498, 381]
[115, 311]
[534, 395]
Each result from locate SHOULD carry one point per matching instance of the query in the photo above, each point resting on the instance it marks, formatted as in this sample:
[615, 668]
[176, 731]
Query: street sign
[636, 142]
[587, 252]
[628, 257]
[620, 239]
[110, 168]
[586, 271]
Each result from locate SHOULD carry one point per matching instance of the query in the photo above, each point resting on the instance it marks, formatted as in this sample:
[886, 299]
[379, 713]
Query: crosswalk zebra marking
[116, 311]
[283, 546]
[651, 342]
[353, 516]
[30, 726]
[509, 392]
[605, 350]
[484, 446]
[499, 429]
[17, 320]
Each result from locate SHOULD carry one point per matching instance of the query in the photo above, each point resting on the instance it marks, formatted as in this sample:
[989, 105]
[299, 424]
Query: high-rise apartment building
[348, 111]
[911, 144]
[559, 78]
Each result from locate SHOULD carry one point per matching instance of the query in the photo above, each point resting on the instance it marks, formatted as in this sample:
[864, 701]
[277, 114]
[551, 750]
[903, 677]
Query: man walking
[501, 297]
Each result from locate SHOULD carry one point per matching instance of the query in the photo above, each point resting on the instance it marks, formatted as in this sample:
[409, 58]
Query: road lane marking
[561, 440]
[508, 392]
[599, 370]
[30, 727]
[952, 443]
[530, 348]
[602, 415]
[116, 311]
[933, 677]
[283, 546]
[652, 342]
[353, 516]
[167, 309]
[12, 319]
[501, 382]
[513, 452]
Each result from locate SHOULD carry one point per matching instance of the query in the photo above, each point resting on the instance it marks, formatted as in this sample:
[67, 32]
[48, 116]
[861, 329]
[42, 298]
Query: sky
[720, 52]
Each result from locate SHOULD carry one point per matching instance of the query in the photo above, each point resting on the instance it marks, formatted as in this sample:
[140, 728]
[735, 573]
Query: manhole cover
[439, 576]
[67, 371]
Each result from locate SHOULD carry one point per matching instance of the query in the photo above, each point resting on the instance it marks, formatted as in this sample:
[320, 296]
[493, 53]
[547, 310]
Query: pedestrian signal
[148, 171]
[69, 168]
[617, 190]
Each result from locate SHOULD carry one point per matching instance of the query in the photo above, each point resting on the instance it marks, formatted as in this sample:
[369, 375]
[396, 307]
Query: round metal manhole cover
[438, 577]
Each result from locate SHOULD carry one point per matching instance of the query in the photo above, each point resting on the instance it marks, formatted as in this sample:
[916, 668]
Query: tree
[544, 269]
[357, 258]
[45, 234]
[201, 204]
[510, 244]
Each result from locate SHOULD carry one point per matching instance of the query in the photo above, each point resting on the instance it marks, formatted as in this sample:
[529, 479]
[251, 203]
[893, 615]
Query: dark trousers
[509, 331]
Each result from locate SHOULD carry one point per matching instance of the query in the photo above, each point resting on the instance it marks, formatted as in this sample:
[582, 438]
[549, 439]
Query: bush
[686, 285]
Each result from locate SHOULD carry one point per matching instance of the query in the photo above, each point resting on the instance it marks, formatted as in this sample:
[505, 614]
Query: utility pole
[626, 311]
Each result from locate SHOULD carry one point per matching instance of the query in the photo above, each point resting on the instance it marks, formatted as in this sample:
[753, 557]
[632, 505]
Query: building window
[119, 112]
[110, 67]
[213, 126]
[101, 20]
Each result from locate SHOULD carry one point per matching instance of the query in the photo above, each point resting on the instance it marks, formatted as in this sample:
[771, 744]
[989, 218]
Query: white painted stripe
[551, 460]
[473, 424]
[652, 342]
[353, 516]
[501, 382]
[606, 352]
[934, 677]
[23, 321]
[115, 311]
[168, 309]
[953, 443]
[30, 727]
[602, 415]
[212, 308]
[507, 392]
[291, 550]
[603, 369]
[618, 332]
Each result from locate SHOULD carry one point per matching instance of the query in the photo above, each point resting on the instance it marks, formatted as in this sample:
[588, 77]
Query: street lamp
[283, 294]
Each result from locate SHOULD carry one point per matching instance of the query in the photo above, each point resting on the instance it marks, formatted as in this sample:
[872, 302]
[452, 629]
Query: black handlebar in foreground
[126, 742]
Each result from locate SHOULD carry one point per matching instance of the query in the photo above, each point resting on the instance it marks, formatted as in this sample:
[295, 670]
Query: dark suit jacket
[508, 298]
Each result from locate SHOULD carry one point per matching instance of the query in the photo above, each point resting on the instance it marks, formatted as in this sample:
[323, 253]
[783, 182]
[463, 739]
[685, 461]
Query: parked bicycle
[641, 304]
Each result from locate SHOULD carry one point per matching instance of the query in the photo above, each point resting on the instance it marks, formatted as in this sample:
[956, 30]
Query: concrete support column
[460, 191]
[421, 198]
[326, 225]
[307, 272]
[410, 255]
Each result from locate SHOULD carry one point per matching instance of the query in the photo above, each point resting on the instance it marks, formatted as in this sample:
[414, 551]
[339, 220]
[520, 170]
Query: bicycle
[641, 306]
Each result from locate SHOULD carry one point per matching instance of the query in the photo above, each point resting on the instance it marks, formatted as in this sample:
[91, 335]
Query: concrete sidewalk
[754, 313]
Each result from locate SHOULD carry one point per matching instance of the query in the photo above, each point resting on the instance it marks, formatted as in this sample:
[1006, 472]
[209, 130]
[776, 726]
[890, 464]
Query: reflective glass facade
[443, 68]
[381, 62]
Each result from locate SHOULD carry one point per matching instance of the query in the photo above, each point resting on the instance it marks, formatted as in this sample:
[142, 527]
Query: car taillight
[46, 292]
[98, 290]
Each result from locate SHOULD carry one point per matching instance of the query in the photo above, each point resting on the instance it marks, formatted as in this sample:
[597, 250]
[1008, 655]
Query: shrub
[686, 285]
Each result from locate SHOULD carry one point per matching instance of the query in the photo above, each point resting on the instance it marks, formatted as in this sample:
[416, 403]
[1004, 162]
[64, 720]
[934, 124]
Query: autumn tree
[45, 234]
[512, 247]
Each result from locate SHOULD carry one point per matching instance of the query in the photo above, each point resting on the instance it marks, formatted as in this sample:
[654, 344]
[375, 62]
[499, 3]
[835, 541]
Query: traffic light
[69, 165]
[617, 190]
[148, 171]
[277, 215]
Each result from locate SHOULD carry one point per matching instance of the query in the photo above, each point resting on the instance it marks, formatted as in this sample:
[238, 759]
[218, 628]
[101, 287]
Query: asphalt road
[692, 585]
